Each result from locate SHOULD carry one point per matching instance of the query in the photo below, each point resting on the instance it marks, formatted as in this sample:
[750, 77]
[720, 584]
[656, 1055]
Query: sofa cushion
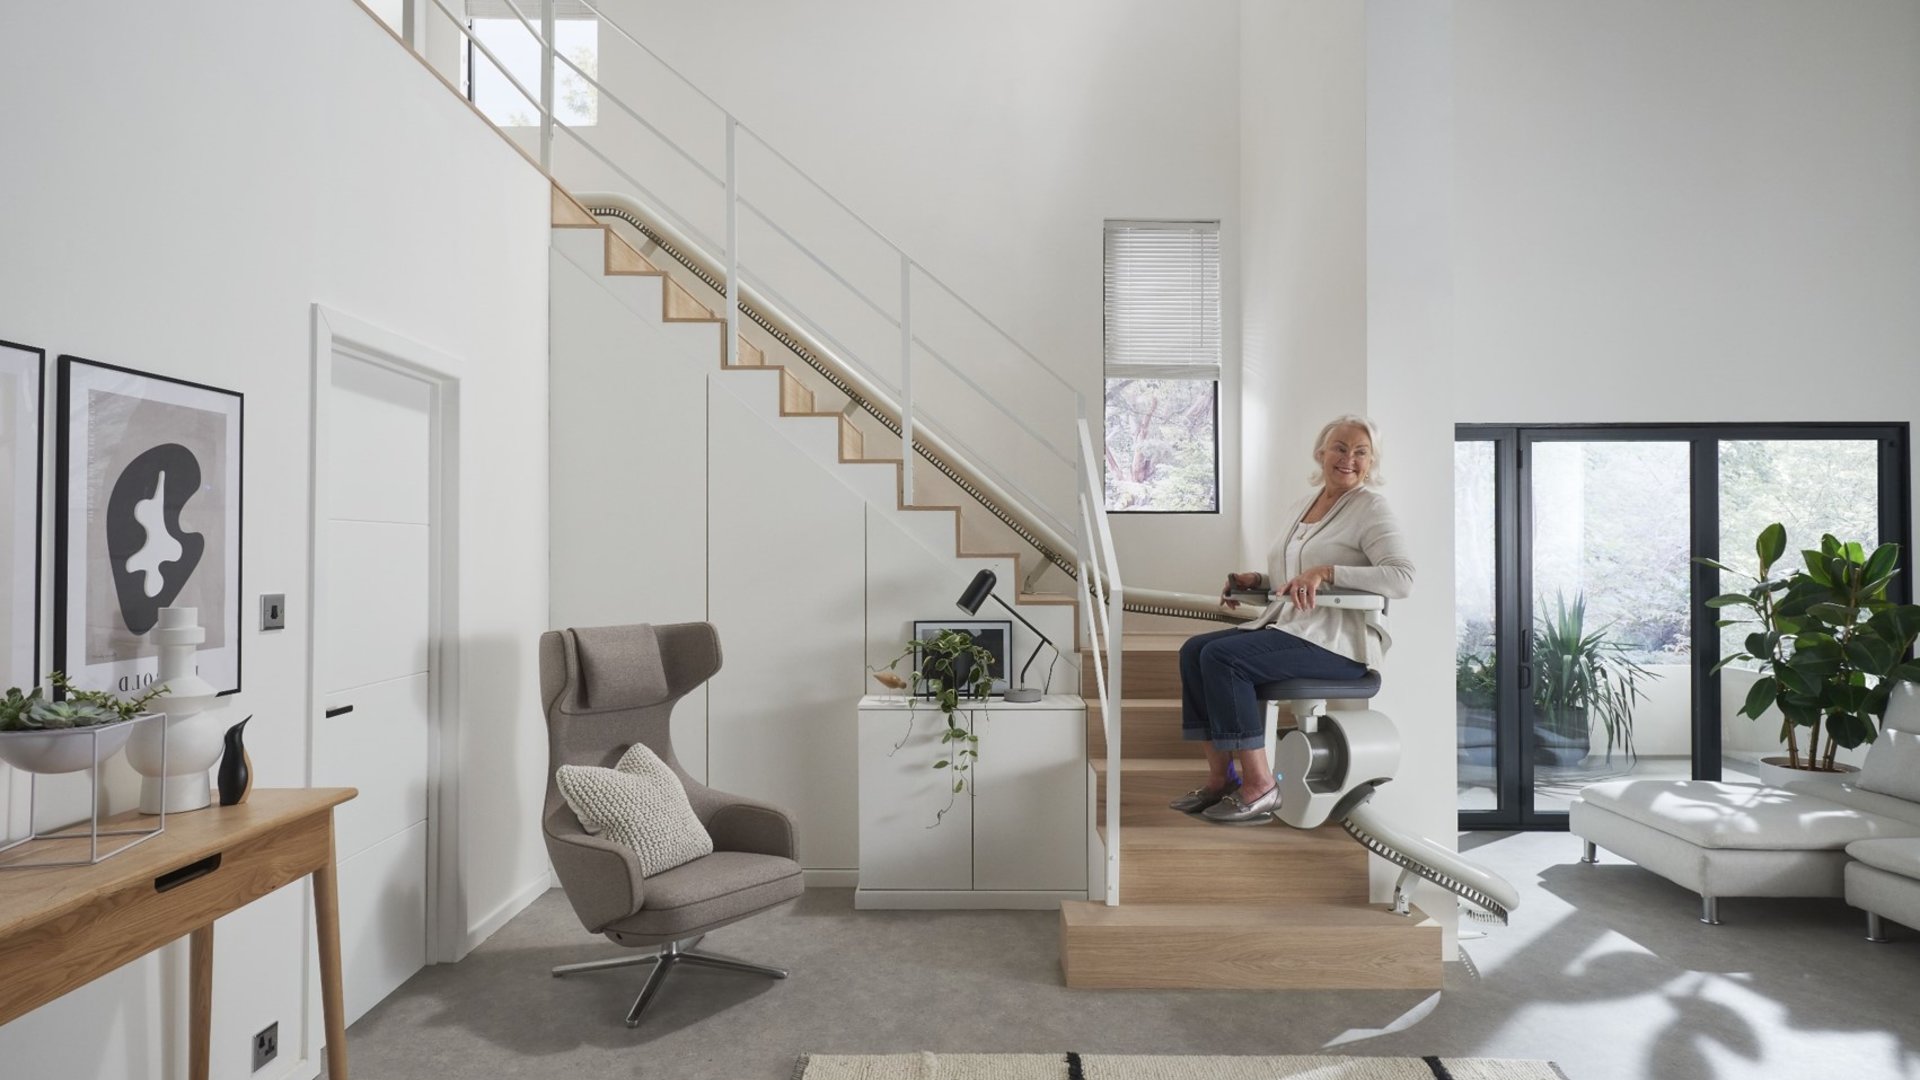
[1893, 764]
[1741, 816]
[1896, 856]
[1867, 802]
[639, 803]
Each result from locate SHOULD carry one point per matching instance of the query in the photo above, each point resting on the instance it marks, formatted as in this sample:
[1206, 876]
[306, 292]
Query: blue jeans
[1218, 672]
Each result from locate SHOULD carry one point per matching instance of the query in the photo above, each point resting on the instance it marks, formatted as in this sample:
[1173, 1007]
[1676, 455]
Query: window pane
[1161, 446]
[1813, 487]
[1474, 614]
[1611, 651]
[576, 104]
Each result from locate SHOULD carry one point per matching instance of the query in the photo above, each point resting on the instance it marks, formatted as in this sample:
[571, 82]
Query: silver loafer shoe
[1231, 810]
[1199, 799]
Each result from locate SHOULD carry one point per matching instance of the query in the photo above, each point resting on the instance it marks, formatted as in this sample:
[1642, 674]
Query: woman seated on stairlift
[1344, 536]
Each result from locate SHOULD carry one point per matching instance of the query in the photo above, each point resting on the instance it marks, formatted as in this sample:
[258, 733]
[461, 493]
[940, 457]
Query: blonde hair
[1348, 420]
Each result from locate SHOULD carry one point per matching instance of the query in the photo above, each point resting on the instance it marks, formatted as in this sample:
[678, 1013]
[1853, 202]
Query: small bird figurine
[236, 767]
[889, 680]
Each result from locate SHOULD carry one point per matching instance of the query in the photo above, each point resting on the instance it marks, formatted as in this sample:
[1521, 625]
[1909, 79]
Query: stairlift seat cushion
[639, 803]
[1740, 816]
[1365, 686]
[1893, 765]
[1895, 856]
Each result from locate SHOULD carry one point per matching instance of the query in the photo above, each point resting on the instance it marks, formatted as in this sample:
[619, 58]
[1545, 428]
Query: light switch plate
[273, 611]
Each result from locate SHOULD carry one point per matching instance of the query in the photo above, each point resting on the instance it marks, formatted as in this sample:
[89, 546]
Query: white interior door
[375, 666]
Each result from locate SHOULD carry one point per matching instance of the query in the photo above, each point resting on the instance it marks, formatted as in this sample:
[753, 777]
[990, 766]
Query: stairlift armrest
[1349, 599]
[601, 878]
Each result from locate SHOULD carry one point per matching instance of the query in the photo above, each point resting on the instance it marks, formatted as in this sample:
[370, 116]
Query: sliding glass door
[1579, 601]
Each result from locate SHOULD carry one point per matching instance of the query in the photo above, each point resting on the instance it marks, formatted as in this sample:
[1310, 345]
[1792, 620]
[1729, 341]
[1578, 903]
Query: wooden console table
[62, 927]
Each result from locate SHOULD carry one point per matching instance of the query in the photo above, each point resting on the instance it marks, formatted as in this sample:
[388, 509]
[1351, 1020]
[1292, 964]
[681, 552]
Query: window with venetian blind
[1162, 346]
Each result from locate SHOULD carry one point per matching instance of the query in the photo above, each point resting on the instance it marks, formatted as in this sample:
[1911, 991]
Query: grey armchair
[604, 689]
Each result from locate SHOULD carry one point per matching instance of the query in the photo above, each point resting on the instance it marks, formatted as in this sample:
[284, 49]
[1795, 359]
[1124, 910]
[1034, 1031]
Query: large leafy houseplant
[1583, 677]
[947, 668]
[1828, 643]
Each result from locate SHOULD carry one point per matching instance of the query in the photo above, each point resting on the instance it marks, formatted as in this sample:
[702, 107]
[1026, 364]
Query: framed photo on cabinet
[147, 515]
[22, 370]
[993, 635]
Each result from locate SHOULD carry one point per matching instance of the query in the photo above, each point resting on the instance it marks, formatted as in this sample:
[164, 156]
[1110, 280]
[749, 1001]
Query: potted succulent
[947, 668]
[1827, 644]
[45, 736]
[1581, 677]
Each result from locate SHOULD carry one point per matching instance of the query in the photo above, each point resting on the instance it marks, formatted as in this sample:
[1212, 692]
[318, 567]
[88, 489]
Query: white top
[1361, 539]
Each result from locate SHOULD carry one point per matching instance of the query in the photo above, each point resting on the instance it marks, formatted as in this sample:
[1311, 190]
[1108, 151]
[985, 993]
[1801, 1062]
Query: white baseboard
[832, 879]
[960, 900]
[479, 932]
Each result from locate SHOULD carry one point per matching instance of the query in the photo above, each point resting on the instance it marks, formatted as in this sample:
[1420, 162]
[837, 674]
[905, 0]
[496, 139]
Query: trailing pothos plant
[1829, 644]
[946, 668]
[31, 711]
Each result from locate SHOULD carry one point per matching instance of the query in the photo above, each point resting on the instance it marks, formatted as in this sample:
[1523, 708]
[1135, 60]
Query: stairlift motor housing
[1331, 762]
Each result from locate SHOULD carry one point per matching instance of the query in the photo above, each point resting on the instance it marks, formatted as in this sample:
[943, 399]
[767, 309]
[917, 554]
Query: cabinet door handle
[339, 710]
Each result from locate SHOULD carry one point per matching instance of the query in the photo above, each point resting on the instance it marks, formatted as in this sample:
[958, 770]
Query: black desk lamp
[976, 595]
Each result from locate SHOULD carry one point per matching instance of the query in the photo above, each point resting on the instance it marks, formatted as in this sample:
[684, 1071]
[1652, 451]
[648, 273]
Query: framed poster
[147, 515]
[993, 635]
[21, 372]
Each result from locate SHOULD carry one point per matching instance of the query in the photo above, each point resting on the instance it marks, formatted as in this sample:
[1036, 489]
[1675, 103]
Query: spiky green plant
[1582, 677]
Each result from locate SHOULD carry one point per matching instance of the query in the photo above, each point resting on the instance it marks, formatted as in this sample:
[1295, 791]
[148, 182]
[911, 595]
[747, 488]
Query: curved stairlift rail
[1487, 895]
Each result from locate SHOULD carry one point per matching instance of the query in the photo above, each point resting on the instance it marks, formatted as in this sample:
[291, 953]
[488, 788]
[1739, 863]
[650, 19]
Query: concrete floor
[1605, 971]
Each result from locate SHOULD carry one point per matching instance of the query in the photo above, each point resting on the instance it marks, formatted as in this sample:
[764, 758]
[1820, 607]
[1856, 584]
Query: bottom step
[1301, 945]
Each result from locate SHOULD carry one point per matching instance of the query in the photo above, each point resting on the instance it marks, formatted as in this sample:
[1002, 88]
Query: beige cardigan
[1362, 541]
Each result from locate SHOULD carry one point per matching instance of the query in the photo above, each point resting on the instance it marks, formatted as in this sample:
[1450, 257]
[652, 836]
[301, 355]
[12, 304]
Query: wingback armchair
[604, 689]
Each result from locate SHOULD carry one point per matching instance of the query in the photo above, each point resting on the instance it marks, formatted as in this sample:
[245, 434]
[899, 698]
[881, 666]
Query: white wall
[1303, 192]
[1681, 211]
[990, 141]
[187, 182]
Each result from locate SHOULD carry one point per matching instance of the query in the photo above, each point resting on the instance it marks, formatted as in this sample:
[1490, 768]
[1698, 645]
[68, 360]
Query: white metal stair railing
[1030, 451]
[1102, 616]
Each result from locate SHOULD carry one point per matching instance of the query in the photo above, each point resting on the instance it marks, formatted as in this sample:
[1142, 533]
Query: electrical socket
[266, 1045]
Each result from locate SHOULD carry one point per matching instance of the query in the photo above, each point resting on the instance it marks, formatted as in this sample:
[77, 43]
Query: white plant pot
[1774, 772]
[64, 751]
[193, 734]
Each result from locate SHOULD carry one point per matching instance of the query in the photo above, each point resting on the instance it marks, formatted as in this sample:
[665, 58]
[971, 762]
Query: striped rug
[1156, 1067]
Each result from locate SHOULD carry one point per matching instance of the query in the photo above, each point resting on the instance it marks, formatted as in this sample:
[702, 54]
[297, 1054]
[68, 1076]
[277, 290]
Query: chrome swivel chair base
[670, 955]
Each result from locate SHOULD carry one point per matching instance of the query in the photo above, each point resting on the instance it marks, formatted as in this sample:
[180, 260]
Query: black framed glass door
[1579, 601]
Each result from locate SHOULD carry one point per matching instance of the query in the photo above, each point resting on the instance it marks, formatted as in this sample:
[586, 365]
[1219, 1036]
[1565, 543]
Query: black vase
[236, 769]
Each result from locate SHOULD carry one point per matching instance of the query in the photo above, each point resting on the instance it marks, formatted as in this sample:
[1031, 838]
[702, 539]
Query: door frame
[334, 331]
[1513, 547]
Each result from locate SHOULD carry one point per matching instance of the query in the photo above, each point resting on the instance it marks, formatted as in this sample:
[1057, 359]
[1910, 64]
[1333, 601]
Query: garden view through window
[1162, 356]
[1579, 604]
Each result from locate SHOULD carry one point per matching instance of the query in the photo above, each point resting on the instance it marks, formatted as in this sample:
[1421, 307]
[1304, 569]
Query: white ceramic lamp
[193, 732]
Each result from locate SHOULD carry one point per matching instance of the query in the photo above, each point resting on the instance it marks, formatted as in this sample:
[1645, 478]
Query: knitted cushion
[639, 803]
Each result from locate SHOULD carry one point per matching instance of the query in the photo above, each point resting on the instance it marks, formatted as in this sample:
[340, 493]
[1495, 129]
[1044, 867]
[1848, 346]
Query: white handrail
[1104, 635]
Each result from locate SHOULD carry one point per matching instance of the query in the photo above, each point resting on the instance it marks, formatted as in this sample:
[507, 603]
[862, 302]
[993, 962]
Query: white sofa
[1857, 840]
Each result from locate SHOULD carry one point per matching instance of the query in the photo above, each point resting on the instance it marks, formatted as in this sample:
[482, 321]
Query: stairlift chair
[1330, 765]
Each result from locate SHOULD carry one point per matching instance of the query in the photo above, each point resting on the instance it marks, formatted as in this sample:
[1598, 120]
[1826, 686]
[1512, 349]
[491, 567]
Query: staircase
[1206, 906]
[938, 514]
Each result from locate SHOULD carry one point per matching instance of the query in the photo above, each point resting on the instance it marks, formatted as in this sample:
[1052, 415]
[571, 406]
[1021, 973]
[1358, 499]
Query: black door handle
[339, 710]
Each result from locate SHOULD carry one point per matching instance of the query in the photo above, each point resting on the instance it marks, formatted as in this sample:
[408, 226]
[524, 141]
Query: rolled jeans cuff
[1239, 742]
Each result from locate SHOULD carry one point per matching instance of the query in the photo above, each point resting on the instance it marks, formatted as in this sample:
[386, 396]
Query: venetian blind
[1163, 299]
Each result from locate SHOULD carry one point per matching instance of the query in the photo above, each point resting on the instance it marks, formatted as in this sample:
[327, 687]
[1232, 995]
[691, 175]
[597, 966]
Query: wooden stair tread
[1280, 915]
[1179, 834]
[1180, 766]
[1141, 703]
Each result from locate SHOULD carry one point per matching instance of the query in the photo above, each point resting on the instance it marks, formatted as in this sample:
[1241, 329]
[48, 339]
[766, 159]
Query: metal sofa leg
[1710, 910]
[1876, 930]
[1591, 854]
